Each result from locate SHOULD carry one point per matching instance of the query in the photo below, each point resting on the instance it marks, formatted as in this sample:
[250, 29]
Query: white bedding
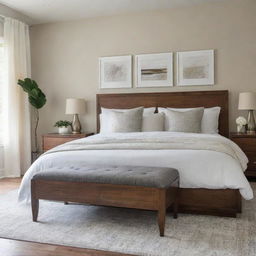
[203, 160]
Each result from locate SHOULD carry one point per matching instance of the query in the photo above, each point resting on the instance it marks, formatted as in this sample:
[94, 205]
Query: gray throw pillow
[187, 121]
[128, 121]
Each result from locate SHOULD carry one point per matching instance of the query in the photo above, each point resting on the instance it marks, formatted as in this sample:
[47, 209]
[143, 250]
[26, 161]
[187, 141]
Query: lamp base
[73, 132]
[76, 126]
[251, 122]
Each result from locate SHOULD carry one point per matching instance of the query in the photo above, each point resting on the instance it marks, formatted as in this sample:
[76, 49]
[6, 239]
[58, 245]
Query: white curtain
[15, 106]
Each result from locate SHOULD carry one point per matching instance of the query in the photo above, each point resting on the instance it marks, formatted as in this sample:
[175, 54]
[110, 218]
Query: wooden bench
[147, 188]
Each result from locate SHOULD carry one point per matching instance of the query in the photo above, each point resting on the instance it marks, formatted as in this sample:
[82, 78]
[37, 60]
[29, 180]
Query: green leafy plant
[36, 98]
[62, 123]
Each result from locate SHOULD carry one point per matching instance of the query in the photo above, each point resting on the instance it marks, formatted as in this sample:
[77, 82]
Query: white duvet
[203, 160]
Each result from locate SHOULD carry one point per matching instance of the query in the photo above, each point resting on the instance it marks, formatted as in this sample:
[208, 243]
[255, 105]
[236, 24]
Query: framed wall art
[195, 68]
[115, 72]
[154, 70]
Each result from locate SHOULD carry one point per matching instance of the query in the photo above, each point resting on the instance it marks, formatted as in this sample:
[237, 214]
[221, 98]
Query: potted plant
[63, 126]
[37, 99]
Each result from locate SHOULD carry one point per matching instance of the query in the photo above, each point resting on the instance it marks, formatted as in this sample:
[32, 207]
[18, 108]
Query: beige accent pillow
[153, 122]
[128, 121]
[105, 111]
[188, 121]
[210, 120]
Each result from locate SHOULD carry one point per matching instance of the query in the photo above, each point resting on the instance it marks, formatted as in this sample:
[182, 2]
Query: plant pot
[63, 130]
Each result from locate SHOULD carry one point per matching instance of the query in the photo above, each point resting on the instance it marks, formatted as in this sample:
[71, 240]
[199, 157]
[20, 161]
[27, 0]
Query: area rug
[130, 231]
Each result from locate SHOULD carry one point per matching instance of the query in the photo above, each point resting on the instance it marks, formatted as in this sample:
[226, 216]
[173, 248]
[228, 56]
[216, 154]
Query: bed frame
[221, 202]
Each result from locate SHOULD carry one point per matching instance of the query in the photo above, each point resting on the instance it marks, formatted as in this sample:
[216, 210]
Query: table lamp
[75, 107]
[247, 101]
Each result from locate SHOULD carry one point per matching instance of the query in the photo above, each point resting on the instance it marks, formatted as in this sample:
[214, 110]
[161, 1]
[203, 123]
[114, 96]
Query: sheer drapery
[1, 109]
[16, 139]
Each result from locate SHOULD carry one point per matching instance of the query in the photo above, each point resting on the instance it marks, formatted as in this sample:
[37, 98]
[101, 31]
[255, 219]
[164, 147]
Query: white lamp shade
[247, 101]
[75, 106]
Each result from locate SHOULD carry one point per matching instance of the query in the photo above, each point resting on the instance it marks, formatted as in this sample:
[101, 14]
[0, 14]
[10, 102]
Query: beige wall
[65, 55]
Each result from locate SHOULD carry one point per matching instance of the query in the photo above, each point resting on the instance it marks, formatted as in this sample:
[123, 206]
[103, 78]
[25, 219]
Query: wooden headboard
[169, 99]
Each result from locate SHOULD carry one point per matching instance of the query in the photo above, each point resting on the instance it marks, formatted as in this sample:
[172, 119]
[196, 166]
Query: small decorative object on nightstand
[241, 123]
[63, 126]
[75, 107]
[247, 101]
[247, 142]
[52, 140]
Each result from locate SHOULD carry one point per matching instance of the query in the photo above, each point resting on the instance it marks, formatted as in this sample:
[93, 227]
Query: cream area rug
[130, 231]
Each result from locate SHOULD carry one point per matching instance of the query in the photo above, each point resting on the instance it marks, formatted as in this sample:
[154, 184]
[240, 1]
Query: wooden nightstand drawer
[252, 160]
[246, 144]
[250, 173]
[52, 140]
[49, 142]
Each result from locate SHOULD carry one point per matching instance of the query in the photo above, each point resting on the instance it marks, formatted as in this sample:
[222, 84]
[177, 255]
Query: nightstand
[52, 140]
[247, 142]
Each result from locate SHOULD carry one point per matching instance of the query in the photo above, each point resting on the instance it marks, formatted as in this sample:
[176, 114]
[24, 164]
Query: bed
[212, 181]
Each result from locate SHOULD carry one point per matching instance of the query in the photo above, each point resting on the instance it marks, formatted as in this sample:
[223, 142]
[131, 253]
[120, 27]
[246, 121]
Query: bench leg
[161, 211]
[161, 221]
[35, 208]
[34, 201]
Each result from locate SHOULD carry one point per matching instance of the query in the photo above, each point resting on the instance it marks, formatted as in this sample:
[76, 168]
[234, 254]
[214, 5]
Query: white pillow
[184, 121]
[210, 120]
[153, 122]
[129, 120]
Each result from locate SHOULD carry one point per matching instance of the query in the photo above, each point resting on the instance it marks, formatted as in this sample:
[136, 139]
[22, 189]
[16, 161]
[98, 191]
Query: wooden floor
[19, 248]
[9, 184]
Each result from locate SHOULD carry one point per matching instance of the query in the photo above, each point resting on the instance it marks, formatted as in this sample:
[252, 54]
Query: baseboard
[2, 175]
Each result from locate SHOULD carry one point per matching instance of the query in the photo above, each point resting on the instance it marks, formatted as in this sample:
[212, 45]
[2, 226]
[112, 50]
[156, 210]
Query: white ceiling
[43, 11]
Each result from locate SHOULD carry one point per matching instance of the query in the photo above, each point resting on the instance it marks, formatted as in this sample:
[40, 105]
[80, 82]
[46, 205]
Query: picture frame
[115, 72]
[195, 68]
[154, 70]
